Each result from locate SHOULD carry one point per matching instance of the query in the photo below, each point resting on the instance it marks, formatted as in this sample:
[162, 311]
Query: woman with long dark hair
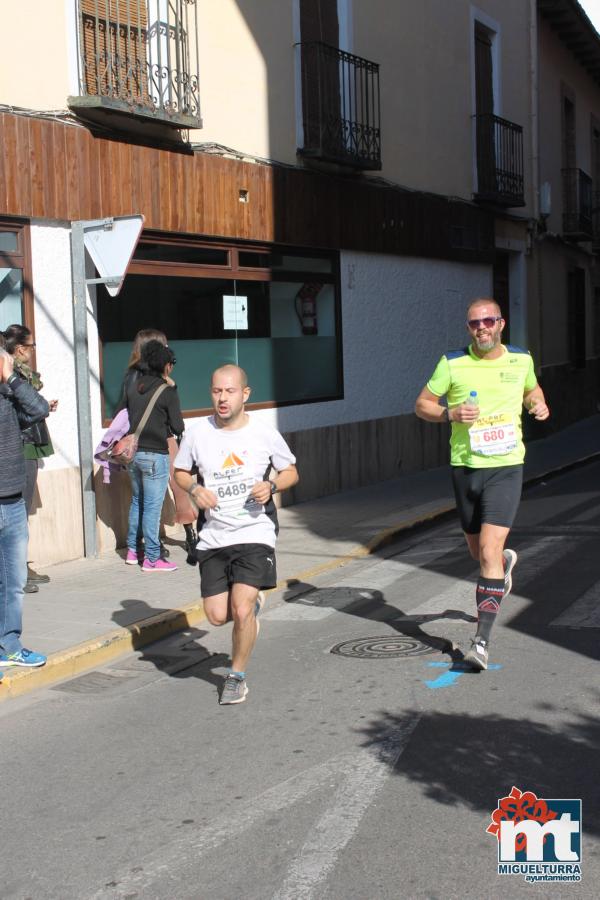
[184, 512]
[149, 471]
[36, 438]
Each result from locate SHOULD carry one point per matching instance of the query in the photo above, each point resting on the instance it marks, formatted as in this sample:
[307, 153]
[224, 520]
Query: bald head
[231, 371]
[229, 391]
[488, 302]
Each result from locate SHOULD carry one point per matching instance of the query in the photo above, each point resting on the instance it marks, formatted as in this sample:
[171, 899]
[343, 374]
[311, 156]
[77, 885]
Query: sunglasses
[488, 322]
[27, 345]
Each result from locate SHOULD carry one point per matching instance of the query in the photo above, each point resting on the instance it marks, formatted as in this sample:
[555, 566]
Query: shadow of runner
[186, 659]
[371, 604]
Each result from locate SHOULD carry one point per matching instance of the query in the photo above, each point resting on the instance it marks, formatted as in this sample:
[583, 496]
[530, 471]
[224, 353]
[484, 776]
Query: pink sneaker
[132, 558]
[161, 565]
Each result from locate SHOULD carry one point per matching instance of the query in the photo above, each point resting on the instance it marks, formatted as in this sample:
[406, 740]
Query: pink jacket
[117, 429]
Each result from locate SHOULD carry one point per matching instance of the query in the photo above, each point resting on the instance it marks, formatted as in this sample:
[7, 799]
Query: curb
[98, 651]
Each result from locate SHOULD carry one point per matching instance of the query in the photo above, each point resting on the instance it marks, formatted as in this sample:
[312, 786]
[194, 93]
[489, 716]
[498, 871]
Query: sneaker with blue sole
[23, 657]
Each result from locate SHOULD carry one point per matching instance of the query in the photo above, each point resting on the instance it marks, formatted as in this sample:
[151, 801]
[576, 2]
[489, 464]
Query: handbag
[123, 451]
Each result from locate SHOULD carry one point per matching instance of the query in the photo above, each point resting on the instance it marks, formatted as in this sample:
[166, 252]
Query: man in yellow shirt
[486, 385]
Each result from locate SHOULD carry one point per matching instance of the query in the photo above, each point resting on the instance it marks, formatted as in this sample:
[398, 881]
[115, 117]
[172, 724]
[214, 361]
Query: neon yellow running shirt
[496, 438]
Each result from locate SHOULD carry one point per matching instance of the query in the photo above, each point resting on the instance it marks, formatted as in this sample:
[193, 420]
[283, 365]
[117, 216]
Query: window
[16, 307]
[275, 313]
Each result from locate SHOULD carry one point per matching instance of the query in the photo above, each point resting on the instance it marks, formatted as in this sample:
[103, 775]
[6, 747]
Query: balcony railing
[340, 107]
[140, 57]
[499, 161]
[577, 205]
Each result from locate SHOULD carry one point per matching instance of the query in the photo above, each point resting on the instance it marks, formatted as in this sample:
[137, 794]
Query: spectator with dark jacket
[36, 439]
[20, 406]
[149, 471]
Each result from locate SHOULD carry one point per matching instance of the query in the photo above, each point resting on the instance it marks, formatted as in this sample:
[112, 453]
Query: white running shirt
[230, 463]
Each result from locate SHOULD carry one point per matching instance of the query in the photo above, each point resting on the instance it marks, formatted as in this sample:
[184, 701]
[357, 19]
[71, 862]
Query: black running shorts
[252, 564]
[487, 496]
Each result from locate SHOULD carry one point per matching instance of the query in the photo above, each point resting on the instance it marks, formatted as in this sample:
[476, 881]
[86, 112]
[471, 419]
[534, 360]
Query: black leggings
[487, 496]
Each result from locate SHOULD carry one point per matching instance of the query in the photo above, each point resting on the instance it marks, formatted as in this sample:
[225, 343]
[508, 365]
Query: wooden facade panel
[73, 204]
[22, 140]
[15, 200]
[343, 457]
[58, 171]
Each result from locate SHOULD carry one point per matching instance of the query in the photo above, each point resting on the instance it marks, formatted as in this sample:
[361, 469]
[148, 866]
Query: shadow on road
[187, 659]
[371, 604]
[462, 759]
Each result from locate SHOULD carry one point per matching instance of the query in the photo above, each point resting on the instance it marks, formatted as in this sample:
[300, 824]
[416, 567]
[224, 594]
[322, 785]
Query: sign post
[110, 244]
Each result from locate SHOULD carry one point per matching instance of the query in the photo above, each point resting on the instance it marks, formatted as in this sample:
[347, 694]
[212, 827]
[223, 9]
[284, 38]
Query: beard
[487, 343]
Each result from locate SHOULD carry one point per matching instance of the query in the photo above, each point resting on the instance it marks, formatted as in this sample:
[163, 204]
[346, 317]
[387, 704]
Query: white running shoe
[510, 559]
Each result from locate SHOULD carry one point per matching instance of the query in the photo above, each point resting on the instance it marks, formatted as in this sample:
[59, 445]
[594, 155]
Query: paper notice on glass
[235, 313]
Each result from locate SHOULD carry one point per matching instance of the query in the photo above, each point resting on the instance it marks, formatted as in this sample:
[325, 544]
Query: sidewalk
[96, 609]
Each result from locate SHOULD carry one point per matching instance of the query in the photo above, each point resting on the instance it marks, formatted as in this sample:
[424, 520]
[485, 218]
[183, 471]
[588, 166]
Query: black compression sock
[488, 598]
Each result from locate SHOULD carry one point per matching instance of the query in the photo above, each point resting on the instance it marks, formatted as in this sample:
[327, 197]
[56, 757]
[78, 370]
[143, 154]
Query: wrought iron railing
[141, 56]
[577, 204]
[596, 223]
[499, 161]
[340, 107]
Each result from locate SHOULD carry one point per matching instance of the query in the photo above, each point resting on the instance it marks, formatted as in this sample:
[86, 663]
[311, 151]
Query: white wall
[399, 314]
[51, 272]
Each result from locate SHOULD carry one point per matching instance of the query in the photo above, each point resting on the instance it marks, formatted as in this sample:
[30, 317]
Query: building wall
[558, 68]
[36, 65]
[248, 73]
[554, 257]
[427, 82]
[391, 344]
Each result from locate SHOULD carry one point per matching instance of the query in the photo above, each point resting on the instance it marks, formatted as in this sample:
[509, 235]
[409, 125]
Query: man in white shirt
[242, 462]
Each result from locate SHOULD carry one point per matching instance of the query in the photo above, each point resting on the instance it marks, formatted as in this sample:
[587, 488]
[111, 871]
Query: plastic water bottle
[472, 399]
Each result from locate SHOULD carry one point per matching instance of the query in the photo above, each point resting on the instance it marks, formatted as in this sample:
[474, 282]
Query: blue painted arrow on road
[449, 678]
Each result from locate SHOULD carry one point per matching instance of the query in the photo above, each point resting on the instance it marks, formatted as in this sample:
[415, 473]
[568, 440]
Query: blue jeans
[14, 537]
[149, 478]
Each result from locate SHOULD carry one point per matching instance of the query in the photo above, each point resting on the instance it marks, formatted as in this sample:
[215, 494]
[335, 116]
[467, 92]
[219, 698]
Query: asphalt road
[367, 773]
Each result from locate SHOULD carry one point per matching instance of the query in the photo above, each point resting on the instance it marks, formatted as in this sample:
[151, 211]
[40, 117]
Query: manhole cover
[382, 647]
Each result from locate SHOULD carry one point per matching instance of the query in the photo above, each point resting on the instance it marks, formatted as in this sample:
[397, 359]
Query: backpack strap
[149, 409]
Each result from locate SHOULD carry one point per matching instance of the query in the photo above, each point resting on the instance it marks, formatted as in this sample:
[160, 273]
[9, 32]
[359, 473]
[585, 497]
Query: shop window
[15, 281]
[280, 322]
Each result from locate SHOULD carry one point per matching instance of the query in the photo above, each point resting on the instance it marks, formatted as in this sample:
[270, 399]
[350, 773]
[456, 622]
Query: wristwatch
[274, 487]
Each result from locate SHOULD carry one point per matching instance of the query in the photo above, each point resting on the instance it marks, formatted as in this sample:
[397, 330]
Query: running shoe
[132, 558]
[234, 690]
[160, 565]
[510, 559]
[22, 657]
[477, 656]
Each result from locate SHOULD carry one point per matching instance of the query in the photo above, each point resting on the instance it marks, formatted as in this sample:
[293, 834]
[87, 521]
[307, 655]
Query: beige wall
[34, 64]
[425, 52]
[248, 77]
